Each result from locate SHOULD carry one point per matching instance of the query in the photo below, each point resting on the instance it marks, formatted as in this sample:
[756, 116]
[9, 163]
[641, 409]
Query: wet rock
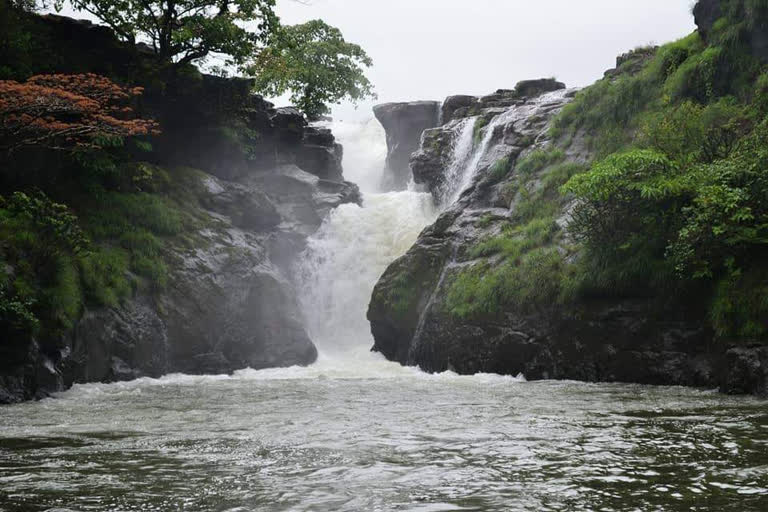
[134, 333]
[248, 207]
[457, 106]
[404, 123]
[528, 88]
[429, 163]
[616, 340]
[745, 370]
[289, 123]
[319, 136]
[324, 162]
[260, 180]
[705, 14]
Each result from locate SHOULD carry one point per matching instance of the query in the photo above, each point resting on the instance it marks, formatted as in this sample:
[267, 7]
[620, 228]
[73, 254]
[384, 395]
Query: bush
[627, 201]
[727, 220]
[538, 160]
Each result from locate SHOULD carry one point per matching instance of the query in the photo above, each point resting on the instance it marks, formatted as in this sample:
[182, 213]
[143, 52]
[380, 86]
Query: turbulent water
[357, 433]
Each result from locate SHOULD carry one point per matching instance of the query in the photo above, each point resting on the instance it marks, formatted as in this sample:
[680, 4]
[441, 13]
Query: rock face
[260, 179]
[707, 12]
[404, 123]
[454, 103]
[625, 340]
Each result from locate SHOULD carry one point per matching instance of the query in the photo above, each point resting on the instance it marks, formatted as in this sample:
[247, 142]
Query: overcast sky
[430, 49]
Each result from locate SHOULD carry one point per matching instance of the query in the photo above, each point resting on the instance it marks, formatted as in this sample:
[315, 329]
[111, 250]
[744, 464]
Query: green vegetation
[538, 160]
[676, 199]
[477, 130]
[524, 266]
[499, 169]
[674, 206]
[85, 222]
[316, 64]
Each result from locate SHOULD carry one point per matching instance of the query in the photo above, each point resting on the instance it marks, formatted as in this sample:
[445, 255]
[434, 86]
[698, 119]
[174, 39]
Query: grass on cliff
[676, 199]
[673, 206]
[524, 266]
[56, 260]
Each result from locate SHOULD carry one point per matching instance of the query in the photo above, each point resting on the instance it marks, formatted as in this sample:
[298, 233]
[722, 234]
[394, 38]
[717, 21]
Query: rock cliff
[424, 309]
[256, 179]
[404, 123]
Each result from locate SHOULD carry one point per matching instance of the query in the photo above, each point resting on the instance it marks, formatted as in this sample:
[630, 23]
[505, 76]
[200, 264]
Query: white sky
[430, 49]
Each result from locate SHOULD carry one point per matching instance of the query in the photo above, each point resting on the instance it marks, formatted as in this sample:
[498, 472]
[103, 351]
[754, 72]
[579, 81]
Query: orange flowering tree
[68, 112]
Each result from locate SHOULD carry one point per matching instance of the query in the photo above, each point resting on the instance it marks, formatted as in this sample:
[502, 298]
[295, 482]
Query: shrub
[627, 200]
[538, 160]
[499, 170]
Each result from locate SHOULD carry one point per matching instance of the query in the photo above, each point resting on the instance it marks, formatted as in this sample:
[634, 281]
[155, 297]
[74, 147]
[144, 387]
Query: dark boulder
[454, 105]
[289, 123]
[745, 370]
[753, 19]
[404, 123]
[529, 88]
[322, 161]
[705, 14]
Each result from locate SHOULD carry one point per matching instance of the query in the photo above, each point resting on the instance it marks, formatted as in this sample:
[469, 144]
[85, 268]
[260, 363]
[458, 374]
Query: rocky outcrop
[705, 14]
[459, 103]
[404, 123]
[629, 339]
[632, 61]
[259, 180]
[745, 370]
[752, 18]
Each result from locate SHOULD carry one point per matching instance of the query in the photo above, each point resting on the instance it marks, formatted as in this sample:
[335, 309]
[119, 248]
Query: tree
[65, 112]
[188, 30]
[316, 64]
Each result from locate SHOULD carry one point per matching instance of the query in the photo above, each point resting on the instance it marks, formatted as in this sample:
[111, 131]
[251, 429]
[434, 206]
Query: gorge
[401, 312]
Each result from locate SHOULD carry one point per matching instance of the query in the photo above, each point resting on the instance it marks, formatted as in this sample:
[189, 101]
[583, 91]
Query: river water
[356, 433]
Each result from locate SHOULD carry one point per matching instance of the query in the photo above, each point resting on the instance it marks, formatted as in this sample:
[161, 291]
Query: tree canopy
[315, 64]
[188, 30]
[64, 112]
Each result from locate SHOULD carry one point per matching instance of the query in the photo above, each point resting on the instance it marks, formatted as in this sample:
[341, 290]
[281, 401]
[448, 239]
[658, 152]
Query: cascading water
[469, 167]
[346, 257]
[463, 144]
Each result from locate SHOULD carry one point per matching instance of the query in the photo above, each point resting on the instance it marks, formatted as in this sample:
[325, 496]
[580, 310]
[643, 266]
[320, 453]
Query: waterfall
[343, 261]
[461, 149]
[346, 257]
[481, 152]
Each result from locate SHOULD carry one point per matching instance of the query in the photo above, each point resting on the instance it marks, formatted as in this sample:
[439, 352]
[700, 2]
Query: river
[356, 433]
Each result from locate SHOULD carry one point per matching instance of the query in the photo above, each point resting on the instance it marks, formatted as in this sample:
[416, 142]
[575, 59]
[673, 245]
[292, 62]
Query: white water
[462, 149]
[480, 153]
[343, 261]
[346, 257]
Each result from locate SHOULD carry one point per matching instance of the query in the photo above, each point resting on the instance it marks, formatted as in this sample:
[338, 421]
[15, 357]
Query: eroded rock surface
[404, 123]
